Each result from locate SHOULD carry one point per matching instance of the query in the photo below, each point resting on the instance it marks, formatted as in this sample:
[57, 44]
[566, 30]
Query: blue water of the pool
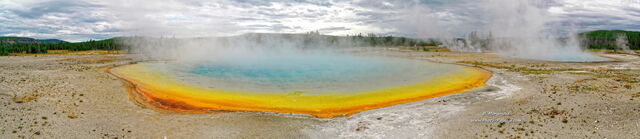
[299, 68]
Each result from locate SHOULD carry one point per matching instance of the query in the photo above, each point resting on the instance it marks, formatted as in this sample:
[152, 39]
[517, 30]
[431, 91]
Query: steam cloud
[510, 28]
[623, 43]
[242, 47]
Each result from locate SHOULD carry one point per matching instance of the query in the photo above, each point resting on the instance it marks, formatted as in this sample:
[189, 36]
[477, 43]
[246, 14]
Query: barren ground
[72, 96]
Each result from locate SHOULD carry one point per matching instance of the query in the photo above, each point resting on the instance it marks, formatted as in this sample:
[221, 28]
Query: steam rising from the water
[520, 29]
[248, 46]
[510, 28]
[623, 43]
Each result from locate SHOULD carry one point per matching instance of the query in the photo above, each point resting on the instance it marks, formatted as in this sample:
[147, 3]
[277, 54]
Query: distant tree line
[601, 39]
[610, 39]
[368, 40]
[316, 40]
[389, 40]
[35, 48]
[311, 39]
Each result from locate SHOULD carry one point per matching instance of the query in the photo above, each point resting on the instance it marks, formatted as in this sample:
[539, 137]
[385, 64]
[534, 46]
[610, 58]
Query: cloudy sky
[79, 20]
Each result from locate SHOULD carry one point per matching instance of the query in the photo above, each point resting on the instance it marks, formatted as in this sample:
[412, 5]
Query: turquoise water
[311, 72]
[572, 56]
[301, 68]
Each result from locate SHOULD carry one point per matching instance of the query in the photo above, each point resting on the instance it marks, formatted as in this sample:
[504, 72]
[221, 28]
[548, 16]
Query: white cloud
[598, 14]
[98, 19]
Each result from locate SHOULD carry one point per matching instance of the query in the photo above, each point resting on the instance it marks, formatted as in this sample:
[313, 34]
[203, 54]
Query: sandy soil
[72, 96]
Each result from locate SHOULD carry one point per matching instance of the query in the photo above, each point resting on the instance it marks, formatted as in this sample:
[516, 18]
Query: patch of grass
[590, 88]
[92, 60]
[24, 99]
[581, 73]
[573, 88]
[576, 88]
[553, 112]
[514, 68]
[565, 120]
[426, 48]
[72, 116]
[535, 72]
[620, 75]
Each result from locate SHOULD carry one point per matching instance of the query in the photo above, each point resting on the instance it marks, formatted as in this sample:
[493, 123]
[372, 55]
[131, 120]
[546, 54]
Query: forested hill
[28, 40]
[10, 45]
[610, 39]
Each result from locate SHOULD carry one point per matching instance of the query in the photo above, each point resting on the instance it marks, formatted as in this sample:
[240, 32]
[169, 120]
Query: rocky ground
[72, 96]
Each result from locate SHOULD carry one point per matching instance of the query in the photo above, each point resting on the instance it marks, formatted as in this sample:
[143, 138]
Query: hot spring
[323, 85]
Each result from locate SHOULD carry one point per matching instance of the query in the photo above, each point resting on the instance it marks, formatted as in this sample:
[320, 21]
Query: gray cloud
[78, 20]
[333, 29]
[53, 7]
